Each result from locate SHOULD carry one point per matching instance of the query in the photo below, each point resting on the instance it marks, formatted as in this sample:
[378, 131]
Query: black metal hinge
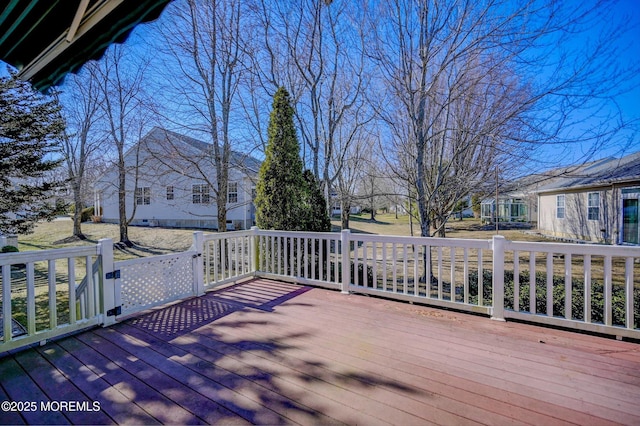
[115, 274]
[115, 311]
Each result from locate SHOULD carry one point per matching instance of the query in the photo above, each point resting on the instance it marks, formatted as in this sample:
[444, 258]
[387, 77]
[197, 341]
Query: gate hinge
[115, 274]
[115, 311]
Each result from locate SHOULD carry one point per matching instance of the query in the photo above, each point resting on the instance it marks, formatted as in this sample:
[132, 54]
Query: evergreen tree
[30, 125]
[316, 218]
[280, 190]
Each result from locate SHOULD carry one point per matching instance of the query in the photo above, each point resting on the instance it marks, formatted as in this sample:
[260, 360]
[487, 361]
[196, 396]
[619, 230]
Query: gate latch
[115, 274]
[115, 311]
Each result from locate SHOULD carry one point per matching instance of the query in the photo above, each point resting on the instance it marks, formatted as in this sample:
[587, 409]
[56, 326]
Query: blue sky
[629, 103]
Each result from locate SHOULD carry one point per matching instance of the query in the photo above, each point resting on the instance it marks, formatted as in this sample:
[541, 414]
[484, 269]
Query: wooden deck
[265, 352]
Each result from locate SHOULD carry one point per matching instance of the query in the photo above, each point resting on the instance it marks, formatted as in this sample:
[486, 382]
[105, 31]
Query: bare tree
[317, 50]
[125, 109]
[479, 84]
[81, 102]
[205, 42]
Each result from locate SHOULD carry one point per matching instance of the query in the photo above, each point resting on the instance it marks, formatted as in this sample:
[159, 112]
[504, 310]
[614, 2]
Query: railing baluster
[587, 288]
[628, 283]
[466, 275]
[31, 299]
[91, 293]
[321, 247]
[313, 259]
[549, 284]
[7, 331]
[71, 272]
[416, 271]
[608, 319]
[532, 282]
[427, 269]
[374, 266]
[384, 267]
[299, 257]
[272, 255]
[405, 269]
[305, 242]
[480, 279]
[516, 281]
[237, 248]
[394, 264]
[568, 287]
[439, 272]
[53, 309]
[452, 286]
[207, 263]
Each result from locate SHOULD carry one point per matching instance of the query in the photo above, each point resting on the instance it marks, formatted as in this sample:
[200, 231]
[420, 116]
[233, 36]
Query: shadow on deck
[266, 352]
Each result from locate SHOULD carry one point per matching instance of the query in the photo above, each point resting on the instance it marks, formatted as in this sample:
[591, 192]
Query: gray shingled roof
[238, 159]
[605, 171]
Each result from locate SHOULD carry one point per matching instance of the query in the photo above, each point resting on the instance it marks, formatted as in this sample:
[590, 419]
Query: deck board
[267, 352]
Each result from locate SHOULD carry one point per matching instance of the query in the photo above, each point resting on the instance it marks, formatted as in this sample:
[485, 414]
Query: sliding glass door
[630, 229]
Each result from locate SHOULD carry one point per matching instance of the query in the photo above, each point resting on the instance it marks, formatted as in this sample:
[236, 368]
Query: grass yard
[387, 224]
[148, 241]
[152, 241]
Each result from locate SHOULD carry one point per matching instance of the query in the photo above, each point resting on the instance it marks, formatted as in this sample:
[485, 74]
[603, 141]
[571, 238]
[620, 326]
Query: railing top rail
[299, 234]
[223, 235]
[427, 241]
[50, 254]
[572, 248]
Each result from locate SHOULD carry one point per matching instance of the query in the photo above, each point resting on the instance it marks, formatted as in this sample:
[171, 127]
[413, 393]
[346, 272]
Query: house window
[169, 192]
[232, 192]
[594, 206]
[201, 194]
[143, 196]
[560, 206]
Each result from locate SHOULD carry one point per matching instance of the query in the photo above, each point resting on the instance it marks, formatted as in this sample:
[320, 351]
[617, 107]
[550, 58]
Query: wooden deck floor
[265, 352]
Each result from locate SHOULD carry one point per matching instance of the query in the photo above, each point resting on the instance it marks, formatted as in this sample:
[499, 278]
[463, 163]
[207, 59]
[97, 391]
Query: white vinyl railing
[226, 257]
[40, 294]
[585, 287]
[588, 287]
[304, 258]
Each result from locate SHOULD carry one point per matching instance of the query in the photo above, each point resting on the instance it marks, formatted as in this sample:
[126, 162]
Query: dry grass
[387, 224]
[148, 241]
[152, 241]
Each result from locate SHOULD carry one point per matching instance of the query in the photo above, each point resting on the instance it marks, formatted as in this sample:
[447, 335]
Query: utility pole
[496, 216]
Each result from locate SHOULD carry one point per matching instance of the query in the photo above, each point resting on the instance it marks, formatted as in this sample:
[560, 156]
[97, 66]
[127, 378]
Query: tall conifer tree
[280, 188]
[30, 126]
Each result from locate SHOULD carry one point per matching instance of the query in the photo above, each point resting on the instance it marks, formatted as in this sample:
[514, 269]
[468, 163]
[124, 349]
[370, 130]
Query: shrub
[9, 249]
[86, 214]
[618, 297]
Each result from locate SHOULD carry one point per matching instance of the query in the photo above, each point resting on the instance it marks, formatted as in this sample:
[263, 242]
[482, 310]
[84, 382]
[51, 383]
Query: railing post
[110, 295]
[198, 263]
[497, 312]
[345, 236]
[255, 249]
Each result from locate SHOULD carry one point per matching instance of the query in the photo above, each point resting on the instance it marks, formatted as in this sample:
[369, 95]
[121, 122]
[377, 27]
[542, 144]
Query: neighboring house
[597, 202]
[336, 208]
[512, 207]
[168, 189]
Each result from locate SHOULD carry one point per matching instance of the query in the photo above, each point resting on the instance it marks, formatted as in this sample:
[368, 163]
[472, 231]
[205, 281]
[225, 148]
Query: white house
[168, 184]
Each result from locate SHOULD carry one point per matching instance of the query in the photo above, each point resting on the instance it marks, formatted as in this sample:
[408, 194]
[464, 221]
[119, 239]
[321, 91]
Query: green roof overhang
[46, 39]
